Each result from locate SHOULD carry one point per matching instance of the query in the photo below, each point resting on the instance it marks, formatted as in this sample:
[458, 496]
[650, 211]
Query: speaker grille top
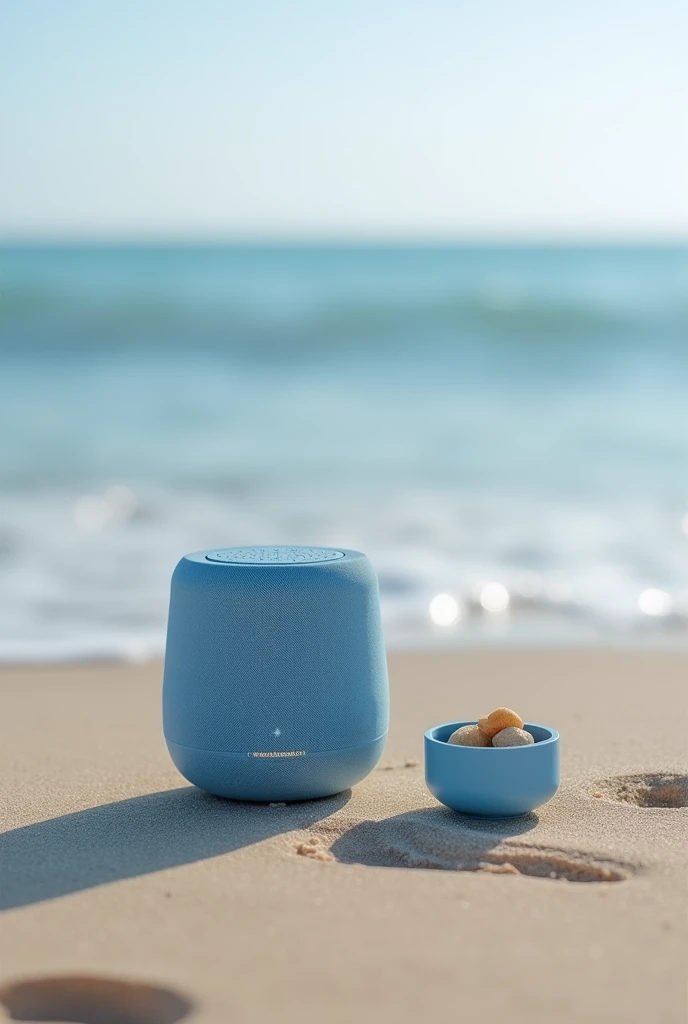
[274, 555]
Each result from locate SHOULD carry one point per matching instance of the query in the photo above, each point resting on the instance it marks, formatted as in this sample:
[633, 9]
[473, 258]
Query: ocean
[503, 429]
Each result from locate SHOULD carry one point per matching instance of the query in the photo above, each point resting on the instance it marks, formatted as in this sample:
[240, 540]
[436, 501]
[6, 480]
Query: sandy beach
[111, 865]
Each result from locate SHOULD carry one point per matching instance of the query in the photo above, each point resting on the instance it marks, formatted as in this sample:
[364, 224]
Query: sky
[358, 118]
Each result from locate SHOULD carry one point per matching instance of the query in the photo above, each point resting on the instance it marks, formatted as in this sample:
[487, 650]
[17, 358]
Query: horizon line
[362, 240]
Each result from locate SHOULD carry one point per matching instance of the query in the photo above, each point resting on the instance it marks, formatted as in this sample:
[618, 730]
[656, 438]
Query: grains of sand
[314, 851]
[499, 869]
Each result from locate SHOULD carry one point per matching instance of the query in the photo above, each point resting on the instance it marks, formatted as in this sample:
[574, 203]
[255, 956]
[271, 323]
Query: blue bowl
[492, 782]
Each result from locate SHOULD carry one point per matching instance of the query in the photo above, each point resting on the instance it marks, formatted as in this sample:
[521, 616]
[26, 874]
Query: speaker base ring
[241, 776]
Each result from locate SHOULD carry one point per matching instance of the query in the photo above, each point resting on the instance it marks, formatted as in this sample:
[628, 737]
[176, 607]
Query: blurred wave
[41, 318]
[255, 301]
[503, 426]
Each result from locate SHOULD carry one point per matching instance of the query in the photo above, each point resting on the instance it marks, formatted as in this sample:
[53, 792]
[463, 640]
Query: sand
[111, 865]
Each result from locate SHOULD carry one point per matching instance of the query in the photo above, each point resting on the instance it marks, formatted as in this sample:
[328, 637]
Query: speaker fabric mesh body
[275, 683]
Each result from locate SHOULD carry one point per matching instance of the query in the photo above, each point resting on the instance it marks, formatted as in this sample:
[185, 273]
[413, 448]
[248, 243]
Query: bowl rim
[552, 738]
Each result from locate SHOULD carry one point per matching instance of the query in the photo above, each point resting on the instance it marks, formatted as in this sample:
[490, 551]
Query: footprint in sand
[89, 1000]
[430, 838]
[648, 789]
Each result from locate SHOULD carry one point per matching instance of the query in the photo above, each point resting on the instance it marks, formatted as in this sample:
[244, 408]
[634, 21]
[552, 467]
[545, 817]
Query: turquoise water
[468, 416]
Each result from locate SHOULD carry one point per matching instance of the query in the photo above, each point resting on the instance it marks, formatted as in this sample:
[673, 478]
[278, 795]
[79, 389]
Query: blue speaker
[275, 682]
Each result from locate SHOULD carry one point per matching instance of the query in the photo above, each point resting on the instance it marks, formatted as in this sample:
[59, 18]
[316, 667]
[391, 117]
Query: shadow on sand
[432, 837]
[136, 837]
